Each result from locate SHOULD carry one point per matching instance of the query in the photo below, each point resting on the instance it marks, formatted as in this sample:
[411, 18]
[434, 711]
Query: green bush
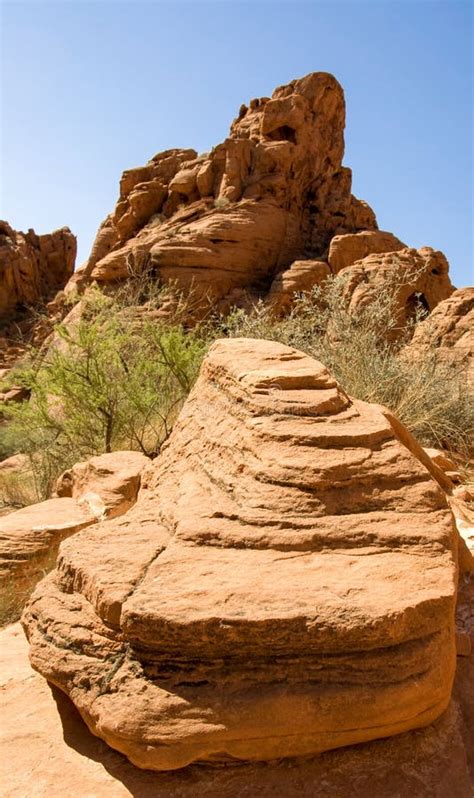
[113, 379]
[117, 376]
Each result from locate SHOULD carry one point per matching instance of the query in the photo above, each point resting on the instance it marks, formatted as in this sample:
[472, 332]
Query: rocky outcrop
[345, 250]
[104, 486]
[33, 267]
[419, 279]
[265, 214]
[300, 278]
[284, 585]
[273, 192]
[449, 330]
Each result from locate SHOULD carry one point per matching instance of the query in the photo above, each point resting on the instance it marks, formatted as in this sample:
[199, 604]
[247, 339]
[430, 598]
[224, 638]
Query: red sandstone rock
[345, 250]
[60, 756]
[275, 190]
[444, 462]
[33, 267]
[29, 542]
[108, 484]
[449, 329]
[284, 585]
[300, 278]
[29, 538]
[419, 277]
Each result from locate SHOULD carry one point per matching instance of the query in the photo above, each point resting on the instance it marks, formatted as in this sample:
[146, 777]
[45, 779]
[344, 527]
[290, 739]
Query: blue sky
[92, 88]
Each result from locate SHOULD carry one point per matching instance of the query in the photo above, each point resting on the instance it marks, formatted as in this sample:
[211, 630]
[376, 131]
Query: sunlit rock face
[449, 331]
[284, 585]
[274, 191]
[32, 267]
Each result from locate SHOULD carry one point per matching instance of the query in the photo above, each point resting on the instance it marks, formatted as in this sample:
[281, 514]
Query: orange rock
[275, 190]
[300, 278]
[108, 484]
[29, 542]
[345, 250]
[33, 267]
[445, 463]
[63, 757]
[449, 329]
[420, 279]
[441, 459]
[29, 538]
[284, 585]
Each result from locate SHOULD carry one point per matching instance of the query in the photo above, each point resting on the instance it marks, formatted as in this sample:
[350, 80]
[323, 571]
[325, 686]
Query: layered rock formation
[274, 191]
[346, 249]
[266, 214]
[284, 585]
[33, 267]
[62, 757]
[419, 279]
[105, 486]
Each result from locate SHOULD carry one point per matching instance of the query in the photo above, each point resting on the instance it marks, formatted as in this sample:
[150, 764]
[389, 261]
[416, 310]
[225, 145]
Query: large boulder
[284, 585]
[299, 278]
[345, 250]
[274, 191]
[419, 281]
[449, 331]
[33, 267]
[62, 756]
[104, 486]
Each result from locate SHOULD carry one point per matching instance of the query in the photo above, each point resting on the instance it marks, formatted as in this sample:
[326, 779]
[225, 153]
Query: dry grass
[365, 350]
[121, 374]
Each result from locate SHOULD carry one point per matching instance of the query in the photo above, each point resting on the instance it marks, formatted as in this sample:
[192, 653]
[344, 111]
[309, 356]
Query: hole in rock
[417, 304]
[283, 133]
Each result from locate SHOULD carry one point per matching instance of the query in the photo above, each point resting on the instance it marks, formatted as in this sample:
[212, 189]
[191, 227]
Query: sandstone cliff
[33, 267]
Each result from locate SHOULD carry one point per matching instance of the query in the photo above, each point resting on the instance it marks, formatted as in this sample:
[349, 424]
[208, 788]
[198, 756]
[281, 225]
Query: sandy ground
[46, 750]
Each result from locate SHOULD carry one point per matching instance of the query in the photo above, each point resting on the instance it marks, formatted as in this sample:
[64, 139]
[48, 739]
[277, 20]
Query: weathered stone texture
[33, 267]
[284, 585]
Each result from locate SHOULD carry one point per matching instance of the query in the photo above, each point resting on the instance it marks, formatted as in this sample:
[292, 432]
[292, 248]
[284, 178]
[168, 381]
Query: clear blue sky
[92, 88]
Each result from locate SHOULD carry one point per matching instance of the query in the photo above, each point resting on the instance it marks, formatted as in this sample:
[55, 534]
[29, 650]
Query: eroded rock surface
[104, 486]
[33, 267]
[300, 278]
[449, 330]
[107, 483]
[273, 192]
[46, 751]
[346, 249]
[418, 278]
[284, 585]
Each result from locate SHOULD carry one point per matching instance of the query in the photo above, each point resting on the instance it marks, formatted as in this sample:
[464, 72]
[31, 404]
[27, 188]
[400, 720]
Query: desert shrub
[113, 379]
[364, 347]
[116, 377]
